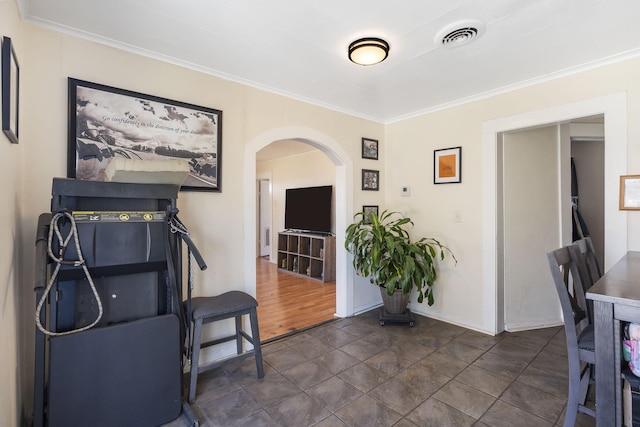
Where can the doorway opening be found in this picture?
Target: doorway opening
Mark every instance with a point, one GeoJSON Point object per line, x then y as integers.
{"type": "Point", "coordinates": [264, 216]}
{"type": "Point", "coordinates": [545, 172]}
{"type": "Point", "coordinates": [343, 206]}
{"type": "Point", "coordinates": [290, 301]}
{"type": "Point", "coordinates": [614, 110]}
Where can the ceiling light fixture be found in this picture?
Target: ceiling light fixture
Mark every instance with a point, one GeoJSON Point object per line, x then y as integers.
{"type": "Point", "coordinates": [368, 51]}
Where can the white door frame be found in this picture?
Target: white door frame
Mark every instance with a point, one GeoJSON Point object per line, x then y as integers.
{"type": "Point", "coordinates": [263, 214]}
{"type": "Point", "coordinates": [614, 108]}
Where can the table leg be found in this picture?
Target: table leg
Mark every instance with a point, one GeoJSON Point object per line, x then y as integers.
{"type": "Point", "coordinates": [605, 365]}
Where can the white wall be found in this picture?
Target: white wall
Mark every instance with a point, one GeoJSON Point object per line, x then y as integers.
{"type": "Point", "coordinates": [531, 226]}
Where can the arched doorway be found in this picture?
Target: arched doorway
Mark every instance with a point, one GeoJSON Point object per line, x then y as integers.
{"type": "Point", "coordinates": [344, 204]}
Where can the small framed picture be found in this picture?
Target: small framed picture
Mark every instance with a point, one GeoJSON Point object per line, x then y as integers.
{"type": "Point", "coordinates": [370, 180]}
{"type": "Point", "coordinates": [630, 192]}
{"type": "Point", "coordinates": [369, 149]}
{"type": "Point", "coordinates": [368, 211]}
{"type": "Point", "coordinates": [446, 165]}
{"type": "Point", "coordinates": [10, 90]}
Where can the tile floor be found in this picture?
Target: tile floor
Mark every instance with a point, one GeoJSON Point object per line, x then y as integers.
{"type": "Point", "coordinates": [354, 372]}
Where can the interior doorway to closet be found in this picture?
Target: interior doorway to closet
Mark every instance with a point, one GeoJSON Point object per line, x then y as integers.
{"type": "Point", "coordinates": [614, 109]}
{"type": "Point", "coordinates": [546, 170]}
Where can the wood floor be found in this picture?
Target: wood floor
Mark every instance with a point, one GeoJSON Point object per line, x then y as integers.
{"type": "Point", "coordinates": [288, 303]}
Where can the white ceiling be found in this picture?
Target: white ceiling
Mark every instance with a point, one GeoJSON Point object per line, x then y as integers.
{"type": "Point", "coordinates": [298, 48]}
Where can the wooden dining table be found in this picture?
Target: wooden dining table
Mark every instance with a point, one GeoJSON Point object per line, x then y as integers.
{"type": "Point", "coordinates": [616, 299]}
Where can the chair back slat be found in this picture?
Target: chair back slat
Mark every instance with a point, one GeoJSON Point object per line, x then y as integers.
{"type": "Point", "coordinates": [568, 283]}
{"type": "Point", "coordinates": [588, 265]}
{"type": "Point", "coordinates": [584, 255]}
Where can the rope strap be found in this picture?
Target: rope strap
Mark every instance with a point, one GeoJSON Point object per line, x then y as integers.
{"type": "Point", "coordinates": [59, 259]}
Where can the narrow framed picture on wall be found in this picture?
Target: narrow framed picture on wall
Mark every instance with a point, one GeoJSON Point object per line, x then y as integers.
{"type": "Point", "coordinates": [10, 90]}
{"type": "Point", "coordinates": [447, 165]}
{"type": "Point", "coordinates": [370, 180]}
{"type": "Point", "coordinates": [369, 149]}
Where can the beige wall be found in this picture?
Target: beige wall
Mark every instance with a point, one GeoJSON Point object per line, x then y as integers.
{"type": "Point", "coordinates": [11, 284]}
{"type": "Point", "coordinates": [406, 158]}
{"type": "Point", "coordinates": [409, 161]}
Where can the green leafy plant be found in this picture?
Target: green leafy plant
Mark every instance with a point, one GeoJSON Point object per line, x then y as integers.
{"type": "Point", "coordinates": [383, 251]}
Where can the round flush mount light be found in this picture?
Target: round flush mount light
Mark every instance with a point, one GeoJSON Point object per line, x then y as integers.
{"type": "Point", "coordinates": [459, 33]}
{"type": "Point", "coordinates": [368, 51]}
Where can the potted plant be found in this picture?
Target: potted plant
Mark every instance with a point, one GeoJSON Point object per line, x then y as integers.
{"type": "Point", "coordinates": [383, 251]}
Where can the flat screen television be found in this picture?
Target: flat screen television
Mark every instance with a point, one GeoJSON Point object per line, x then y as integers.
{"type": "Point", "coordinates": [308, 209]}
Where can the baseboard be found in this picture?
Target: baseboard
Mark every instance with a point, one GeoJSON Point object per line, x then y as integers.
{"type": "Point", "coordinates": [517, 327]}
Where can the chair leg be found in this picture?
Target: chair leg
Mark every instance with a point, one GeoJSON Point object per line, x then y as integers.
{"type": "Point", "coordinates": [195, 358]}
{"type": "Point", "coordinates": [574, 398]}
{"type": "Point", "coordinates": [238, 335]}
{"type": "Point", "coordinates": [572, 410]}
{"type": "Point", "coordinates": [255, 335]}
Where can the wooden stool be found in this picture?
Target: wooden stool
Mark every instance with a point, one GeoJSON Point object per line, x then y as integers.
{"type": "Point", "coordinates": [211, 309]}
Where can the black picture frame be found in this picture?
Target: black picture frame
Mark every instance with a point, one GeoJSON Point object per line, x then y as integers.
{"type": "Point", "coordinates": [105, 122]}
{"type": "Point", "coordinates": [370, 180]}
{"type": "Point", "coordinates": [447, 165]}
{"type": "Point", "coordinates": [368, 210]}
{"type": "Point", "coordinates": [10, 90]}
{"type": "Point", "coordinates": [369, 148]}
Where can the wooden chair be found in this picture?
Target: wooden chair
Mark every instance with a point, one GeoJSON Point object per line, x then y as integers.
{"type": "Point", "coordinates": [578, 330]}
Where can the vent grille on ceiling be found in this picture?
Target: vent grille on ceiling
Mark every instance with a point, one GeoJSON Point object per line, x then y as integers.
{"type": "Point", "coordinates": [460, 33]}
{"type": "Point", "coordinates": [460, 36]}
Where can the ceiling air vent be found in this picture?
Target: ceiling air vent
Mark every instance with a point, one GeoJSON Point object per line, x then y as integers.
{"type": "Point", "coordinates": [459, 33]}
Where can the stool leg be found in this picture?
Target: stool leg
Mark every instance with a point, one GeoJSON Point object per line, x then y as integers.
{"type": "Point", "coordinates": [239, 346]}
{"type": "Point", "coordinates": [195, 358]}
{"type": "Point", "coordinates": [255, 335]}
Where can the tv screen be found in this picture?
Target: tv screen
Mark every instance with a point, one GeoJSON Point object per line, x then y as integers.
{"type": "Point", "coordinates": [308, 209]}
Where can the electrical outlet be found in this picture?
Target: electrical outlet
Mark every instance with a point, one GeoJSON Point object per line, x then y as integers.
{"type": "Point", "coordinates": [405, 191]}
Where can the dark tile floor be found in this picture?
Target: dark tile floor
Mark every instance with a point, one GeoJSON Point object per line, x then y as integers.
{"type": "Point", "coordinates": [354, 372]}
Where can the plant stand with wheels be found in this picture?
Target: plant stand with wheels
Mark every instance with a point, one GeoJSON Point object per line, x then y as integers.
{"type": "Point", "coordinates": [405, 317]}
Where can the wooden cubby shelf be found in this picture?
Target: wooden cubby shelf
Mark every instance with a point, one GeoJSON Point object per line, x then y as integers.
{"type": "Point", "coordinates": [311, 255]}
